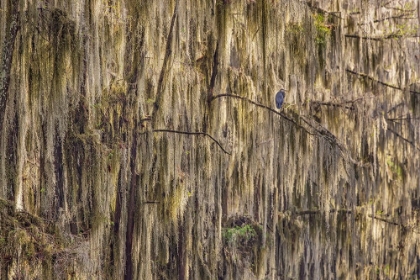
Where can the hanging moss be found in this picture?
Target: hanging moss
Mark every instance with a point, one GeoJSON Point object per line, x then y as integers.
{"type": "Point", "coordinates": [92, 81]}
{"type": "Point", "coordinates": [296, 37]}
{"type": "Point", "coordinates": [37, 241]}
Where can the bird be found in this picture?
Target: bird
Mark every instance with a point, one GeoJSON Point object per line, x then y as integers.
{"type": "Point", "coordinates": [280, 98]}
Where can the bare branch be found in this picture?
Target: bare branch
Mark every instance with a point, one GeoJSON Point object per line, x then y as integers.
{"type": "Point", "coordinates": [402, 119]}
{"type": "Point", "coordinates": [193, 133]}
{"type": "Point", "coordinates": [389, 36]}
{"type": "Point", "coordinates": [313, 212]}
{"type": "Point", "coordinates": [333, 104]}
{"type": "Point", "coordinates": [405, 139]}
{"type": "Point", "coordinates": [347, 211]}
{"type": "Point", "coordinates": [379, 82]}
{"type": "Point", "coordinates": [401, 16]}
{"type": "Point", "coordinates": [384, 220]}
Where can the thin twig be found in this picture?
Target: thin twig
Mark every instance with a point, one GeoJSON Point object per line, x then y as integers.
{"type": "Point", "coordinates": [395, 17]}
{"type": "Point", "coordinates": [332, 104]}
{"type": "Point", "coordinates": [193, 133]}
{"type": "Point", "coordinates": [384, 220]}
{"type": "Point", "coordinates": [389, 36]}
{"type": "Point", "coordinates": [403, 138]}
{"type": "Point", "coordinates": [312, 212]}
{"type": "Point", "coordinates": [402, 119]}
{"type": "Point", "coordinates": [378, 81]}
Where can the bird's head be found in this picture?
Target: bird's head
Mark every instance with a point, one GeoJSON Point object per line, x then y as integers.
{"type": "Point", "coordinates": [283, 91]}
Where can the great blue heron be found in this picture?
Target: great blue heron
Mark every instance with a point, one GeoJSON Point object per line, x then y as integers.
{"type": "Point", "coordinates": [280, 98]}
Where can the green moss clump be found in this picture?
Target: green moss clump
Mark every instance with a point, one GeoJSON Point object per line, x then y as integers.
{"type": "Point", "coordinates": [295, 29]}
{"type": "Point", "coordinates": [239, 234]}
{"type": "Point", "coordinates": [395, 168]}
{"type": "Point", "coordinates": [323, 30]}
{"type": "Point", "coordinates": [404, 30]}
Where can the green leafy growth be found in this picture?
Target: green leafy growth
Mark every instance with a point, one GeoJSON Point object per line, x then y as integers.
{"type": "Point", "coordinates": [396, 168]}
{"type": "Point", "coordinates": [239, 234]}
{"type": "Point", "coordinates": [294, 28]}
{"type": "Point", "coordinates": [404, 30]}
{"type": "Point", "coordinates": [323, 30]}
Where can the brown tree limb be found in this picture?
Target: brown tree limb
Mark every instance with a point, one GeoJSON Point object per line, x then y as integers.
{"type": "Point", "coordinates": [333, 104]}
{"type": "Point", "coordinates": [313, 212]}
{"type": "Point", "coordinates": [193, 133]}
{"type": "Point", "coordinates": [402, 119]}
{"type": "Point", "coordinates": [404, 139]}
{"type": "Point", "coordinates": [384, 220]}
{"type": "Point", "coordinates": [389, 36]}
{"type": "Point", "coordinates": [7, 59]}
{"type": "Point", "coordinates": [401, 16]}
{"type": "Point", "coordinates": [378, 81]}
{"type": "Point", "coordinates": [151, 202]}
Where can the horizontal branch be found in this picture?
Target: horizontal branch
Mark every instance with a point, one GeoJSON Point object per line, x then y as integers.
{"type": "Point", "coordinates": [385, 220]}
{"type": "Point", "coordinates": [389, 36]}
{"type": "Point", "coordinates": [402, 119]}
{"type": "Point", "coordinates": [333, 104]}
{"type": "Point", "coordinates": [346, 211]}
{"type": "Point", "coordinates": [193, 133]}
{"type": "Point", "coordinates": [401, 16]}
{"type": "Point", "coordinates": [363, 37]}
{"type": "Point", "coordinates": [313, 212]}
{"type": "Point", "coordinates": [151, 202]}
{"type": "Point", "coordinates": [403, 10]}
{"type": "Point", "coordinates": [336, 104]}
{"type": "Point", "coordinates": [353, 101]}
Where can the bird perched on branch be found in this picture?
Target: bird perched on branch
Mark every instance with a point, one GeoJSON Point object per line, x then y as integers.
{"type": "Point", "coordinates": [280, 98]}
